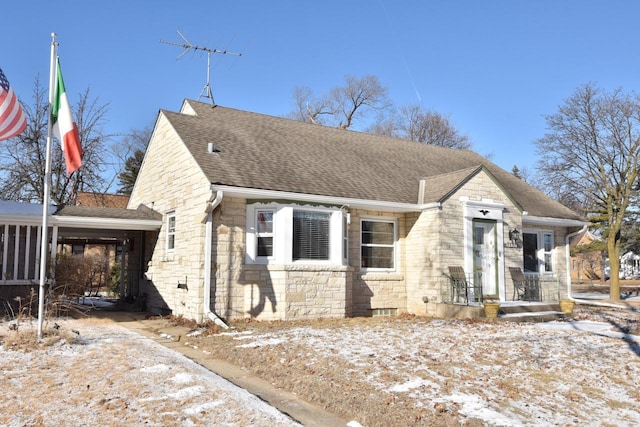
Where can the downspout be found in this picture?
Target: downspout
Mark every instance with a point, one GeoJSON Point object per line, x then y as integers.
{"type": "Point", "coordinates": [208, 250]}
{"type": "Point", "coordinates": [569, 296]}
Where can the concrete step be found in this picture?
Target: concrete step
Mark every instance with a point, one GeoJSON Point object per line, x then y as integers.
{"type": "Point", "coordinates": [530, 312]}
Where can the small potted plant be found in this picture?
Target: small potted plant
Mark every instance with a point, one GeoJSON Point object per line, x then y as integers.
{"type": "Point", "coordinates": [491, 306]}
{"type": "Point", "coordinates": [566, 305]}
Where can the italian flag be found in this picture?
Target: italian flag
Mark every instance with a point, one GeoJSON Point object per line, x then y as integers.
{"type": "Point", "coordinates": [64, 128]}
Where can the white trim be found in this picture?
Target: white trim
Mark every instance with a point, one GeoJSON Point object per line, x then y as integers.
{"type": "Point", "coordinates": [283, 234]}
{"type": "Point", "coordinates": [540, 232]}
{"type": "Point", "coordinates": [168, 215]}
{"type": "Point", "coordinates": [104, 223]}
{"type": "Point", "coordinates": [552, 222]}
{"type": "Point", "coordinates": [384, 219]}
{"type": "Point", "coordinates": [472, 211]}
{"type": "Point", "coordinates": [376, 205]}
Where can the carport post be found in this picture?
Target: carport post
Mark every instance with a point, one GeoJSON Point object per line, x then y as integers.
{"type": "Point", "coordinates": [122, 267]}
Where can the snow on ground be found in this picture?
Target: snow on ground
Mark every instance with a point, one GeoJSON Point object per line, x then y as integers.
{"type": "Point", "coordinates": [504, 374]}
{"type": "Point", "coordinates": [117, 377]}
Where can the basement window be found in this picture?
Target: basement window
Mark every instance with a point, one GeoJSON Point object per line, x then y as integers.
{"type": "Point", "coordinates": [384, 312]}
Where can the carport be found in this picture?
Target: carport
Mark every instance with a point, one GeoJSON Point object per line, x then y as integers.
{"type": "Point", "coordinates": [134, 231]}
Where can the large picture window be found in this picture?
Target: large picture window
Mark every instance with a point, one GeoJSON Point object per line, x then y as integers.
{"type": "Point", "coordinates": [377, 249]}
{"type": "Point", "coordinates": [310, 235]}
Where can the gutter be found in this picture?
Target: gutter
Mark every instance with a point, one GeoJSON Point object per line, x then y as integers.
{"type": "Point", "coordinates": [211, 206]}
{"type": "Point", "coordinates": [569, 296]}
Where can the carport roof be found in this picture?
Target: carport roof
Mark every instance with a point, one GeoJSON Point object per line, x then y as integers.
{"type": "Point", "coordinates": [142, 218]}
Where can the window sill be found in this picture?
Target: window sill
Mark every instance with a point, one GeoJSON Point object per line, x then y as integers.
{"type": "Point", "coordinates": [381, 276]}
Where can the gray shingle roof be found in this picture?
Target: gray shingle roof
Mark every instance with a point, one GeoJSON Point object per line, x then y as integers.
{"type": "Point", "coordinates": [273, 153]}
{"type": "Point", "coordinates": [141, 213]}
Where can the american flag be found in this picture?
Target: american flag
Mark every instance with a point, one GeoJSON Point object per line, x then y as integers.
{"type": "Point", "coordinates": [12, 118]}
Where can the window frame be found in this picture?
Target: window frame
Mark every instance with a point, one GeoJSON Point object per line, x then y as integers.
{"type": "Point", "coordinates": [265, 234]}
{"type": "Point", "coordinates": [283, 234]}
{"type": "Point", "coordinates": [393, 246]}
{"type": "Point", "coordinates": [170, 234]}
{"type": "Point", "coordinates": [545, 257]}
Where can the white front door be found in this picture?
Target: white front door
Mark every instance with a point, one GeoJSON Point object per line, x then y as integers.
{"type": "Point", "coordinates": [485, 257]}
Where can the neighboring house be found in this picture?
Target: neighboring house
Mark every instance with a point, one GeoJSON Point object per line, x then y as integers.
{"type": "Point", "coordinates": [271, 218]}
{"type": "Point", "coordinates": [630, 266]}
{"type": "Point", "coordinates": [101, 200]}
{"type": "Point", "coordinates": [586, 264]}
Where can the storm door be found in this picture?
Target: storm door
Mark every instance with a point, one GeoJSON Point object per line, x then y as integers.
{"type": "Point", "coordinates": [485, 257]}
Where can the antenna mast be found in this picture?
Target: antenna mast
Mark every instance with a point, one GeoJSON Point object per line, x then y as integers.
{"type": "Point", "coordinates": [188, 46]}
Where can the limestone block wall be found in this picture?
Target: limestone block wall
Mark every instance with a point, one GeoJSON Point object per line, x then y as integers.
{"type": "Point", "coordinates": [279, 292]}
{"type": "Point", "coordinates": [171, 181]}
{"type": "Point", "coordinates": [422, 251]}
{"type": "Point", "coordinates": [228, 258]}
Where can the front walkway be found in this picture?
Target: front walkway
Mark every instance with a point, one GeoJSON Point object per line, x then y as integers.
{"type": "Point", "coordinates": [172, 337]}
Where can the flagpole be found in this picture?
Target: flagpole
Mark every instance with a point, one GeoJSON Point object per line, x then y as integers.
{"type": "Point", "coordinates": [47, 192]}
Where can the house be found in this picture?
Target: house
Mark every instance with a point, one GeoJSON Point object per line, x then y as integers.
{"type": "Point", "coordinates": [587, 263]}
{"type": "Point", "coordinates": [104, 200]}
{"type": "Point", "coordinates": [270, 218]}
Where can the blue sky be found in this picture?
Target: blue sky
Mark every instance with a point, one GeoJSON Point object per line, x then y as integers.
{"type": "Point", "coordinates": [494, 67]}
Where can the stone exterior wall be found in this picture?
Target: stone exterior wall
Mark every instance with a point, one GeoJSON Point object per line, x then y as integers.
{"type": "Point", "coordinates": [170, 180]}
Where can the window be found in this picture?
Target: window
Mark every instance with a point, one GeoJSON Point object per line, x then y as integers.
{"type": "Point", "coordinates": [77, 249]}
{"type": "Point", "coordinates": [547, 247]}
{"type": "Point", "coordinates": [538, 251]}
{"type": "Point", "coordinates": [171, 231]}
{"type": "Point", "coordinates": [310, 235]}
{"type": "Point", "coordinates": [345, 238]}
{"type": "Point", "coordinates": [284, 234]}
{"type": "Point", "coordinates": [378, 244]}
{"type": "Point", "coordinates": [118, 252]}
{"type": "Point", "coordinates": [264, 233]}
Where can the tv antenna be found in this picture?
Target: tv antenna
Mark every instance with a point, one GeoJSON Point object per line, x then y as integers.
{"type": "Point", "coordinates": [188, 46]}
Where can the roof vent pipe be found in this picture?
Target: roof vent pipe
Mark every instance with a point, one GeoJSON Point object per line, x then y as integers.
{"type": "Point", "coordinates": [211, 149]}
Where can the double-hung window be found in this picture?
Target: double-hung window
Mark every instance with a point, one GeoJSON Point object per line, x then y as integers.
{"type": "Point", "coordinates": [171, 231]}
{"type": "Point", "coordinates": [377, 246]}
{"type": "Point", "coordinates": [264, 233]}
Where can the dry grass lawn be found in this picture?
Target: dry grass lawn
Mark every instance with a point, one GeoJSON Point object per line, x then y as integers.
{"type": "Point", "coordinates": [406, 371]}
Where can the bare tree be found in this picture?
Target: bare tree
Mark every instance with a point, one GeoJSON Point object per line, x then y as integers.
{"type": "Point", "coordinates": [414, 123]}
{"type": "Point", "coordinates": [23, 158]}
{"type": "Point", "coordinates": [344, 105]}
{"type": "Point", "coordinates": [431, 127]}
{"type": "Point", "coordinates": [309, 109]}
{"type": "Point", "coordinates": [592, 152]}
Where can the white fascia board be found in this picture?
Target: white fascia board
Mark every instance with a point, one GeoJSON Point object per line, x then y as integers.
{"type": "Point", "coordinates": [552, 222]}
{"type": "Point", "coordinates": [105, 223]}
{"type": "Point", "coordinates": [254, 193]}
{"type": "Point", "coordinates": [21, 219]}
